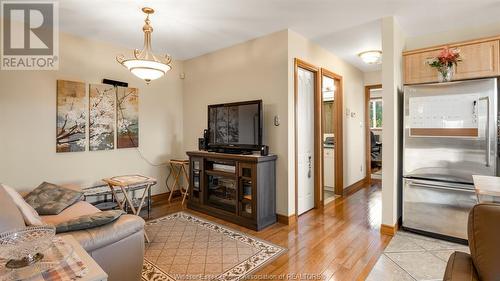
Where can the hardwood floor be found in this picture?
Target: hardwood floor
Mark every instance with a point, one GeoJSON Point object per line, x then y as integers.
{"type": "Point", "coordinates": [341, 241]}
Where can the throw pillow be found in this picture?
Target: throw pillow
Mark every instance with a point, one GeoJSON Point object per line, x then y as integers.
{"type": "Point", "coordinates": [51, 199]}
{"type": "Point", "coordinates": [30, 216]}
{"type": "Point", "coordinates": [89, 221]}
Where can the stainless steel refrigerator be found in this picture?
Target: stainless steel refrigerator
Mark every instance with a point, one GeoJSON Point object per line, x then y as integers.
{"type": "Point", "coordinates": [450, 134]}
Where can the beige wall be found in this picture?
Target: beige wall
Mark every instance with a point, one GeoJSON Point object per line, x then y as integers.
{"type": "Point", "coordinates": [354, 97]}
{"type": "Point", "coordinates": [256, 69]}
{"type": "Point", "coordinates": [28, 121]}
{"type": "Point", "coordinates": [173, 112]}
{"type": "Point", "coordinates": [373, 77]}
{"type": "Point", "coordinates": [452, 36]}
{"type": "Point", "coordinates": [393, 43]}
{"type": "Point", "coordinates": [263, 69]}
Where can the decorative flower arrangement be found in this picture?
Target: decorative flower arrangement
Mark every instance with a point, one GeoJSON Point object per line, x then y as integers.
{"type": "Point", "coordinates": [444, 63]}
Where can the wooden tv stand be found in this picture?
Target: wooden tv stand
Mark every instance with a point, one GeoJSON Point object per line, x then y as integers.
{"type": "Point", "coordinates": [237, 188]}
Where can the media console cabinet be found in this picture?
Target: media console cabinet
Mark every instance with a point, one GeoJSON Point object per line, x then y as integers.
{"type": "Point", "coordinates": [238, 188]}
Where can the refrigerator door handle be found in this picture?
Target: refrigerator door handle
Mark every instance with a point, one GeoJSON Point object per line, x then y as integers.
{"type": "Point", "coordinates": [488, 144]}
{"type": "Point", "coordinates": [415, 183]}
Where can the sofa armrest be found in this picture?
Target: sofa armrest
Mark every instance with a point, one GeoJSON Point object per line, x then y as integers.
{"type": "Point", "coordinates": [460, 268]}
{"type": "Point", "coordinates": [99, 237]}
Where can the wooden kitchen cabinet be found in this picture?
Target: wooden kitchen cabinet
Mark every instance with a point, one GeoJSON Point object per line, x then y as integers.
{"type": "Point", "coordinates": [329, 167]}
{"type": "Point", "coordinates": [416, 69]}
{"type": "Point", "coordinates": [480, 59]}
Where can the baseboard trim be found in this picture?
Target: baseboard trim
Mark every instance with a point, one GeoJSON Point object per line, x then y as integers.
{"type": "Point", "coordinates": [388, 229]}
{"type": "Point", "coordinates": [288, 220]}
{"type": "Point", "coordinates": [355, 186]}
{"type": "Point", "coordinates": [164, 196]}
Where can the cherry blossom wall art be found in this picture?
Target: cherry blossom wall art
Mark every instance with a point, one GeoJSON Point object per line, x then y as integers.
{"type": "Point", "coordinates": [101, 117]}
{"type": "Point", "coordinates": [71, 116]}
{"type": "Point", "coordinates": [127, 113]}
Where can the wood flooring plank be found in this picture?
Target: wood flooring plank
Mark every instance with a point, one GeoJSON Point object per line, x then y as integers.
{"type": "Point", "coordinates": [340, 241]}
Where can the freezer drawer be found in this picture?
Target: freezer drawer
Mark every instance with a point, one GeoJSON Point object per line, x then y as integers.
{"type": "Point", "coordinates": [437, 207]}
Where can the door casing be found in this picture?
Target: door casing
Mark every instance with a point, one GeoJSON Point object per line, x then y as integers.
{"type": "Point", "coordinates": [338, 129]}
{"type": "Point", "coordinates": [368, 177]}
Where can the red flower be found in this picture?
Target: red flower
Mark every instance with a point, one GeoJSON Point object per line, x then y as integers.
{"type": "Point", "coordinates": [449, 56]}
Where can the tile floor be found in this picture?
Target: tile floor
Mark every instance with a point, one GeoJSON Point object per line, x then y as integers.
{"type": "Point", "coordinates": [377, 174]}
{"type": "Point", "coordinates": [410, 257]}
{"type": "Point", "coordinates": [329, 195]}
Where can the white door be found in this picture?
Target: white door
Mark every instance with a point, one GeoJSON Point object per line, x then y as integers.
{"type": "Point", "coordinates": [305, 140]}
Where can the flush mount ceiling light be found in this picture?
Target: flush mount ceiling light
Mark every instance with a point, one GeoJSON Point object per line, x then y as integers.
{"type": "Point", "coordinates": [144, 64]}
{"type": "Point", "coordinates": [371, 57]}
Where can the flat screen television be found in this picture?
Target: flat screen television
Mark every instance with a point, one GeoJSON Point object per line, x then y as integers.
{"type": "Point", "coordinates": [235, 126]}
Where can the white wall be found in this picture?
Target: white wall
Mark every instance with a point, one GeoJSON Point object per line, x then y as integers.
{"type": "Point", "coordinates": [28, 120]}
{"type": "Point", "coordinates": [452, 36]}
{"type": "Point", "coordinates": [256, 69]}
{"type": "Point", "coordinates": [373, 78]}
{"type": "Point", "coordinates": [393, 43]}
{"type": "Point", "coordinates": [354, 98]}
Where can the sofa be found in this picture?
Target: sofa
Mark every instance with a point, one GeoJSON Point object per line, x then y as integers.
{"type": "Point", "coordinates": [482, 264]}
{"type": "Point", "coordinates": [118, 247]}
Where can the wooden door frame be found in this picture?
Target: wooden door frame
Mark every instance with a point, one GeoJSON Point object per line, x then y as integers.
{"type": "Point", "coordinates": [338, 129]}
{"type": "Point", "coordinates": [318, 181]}
{"type": "Point", "coordinates": [368, 88]}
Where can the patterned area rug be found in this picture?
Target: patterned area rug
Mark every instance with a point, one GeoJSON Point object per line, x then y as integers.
{"type": "Point", "coordinates": [185, 247]}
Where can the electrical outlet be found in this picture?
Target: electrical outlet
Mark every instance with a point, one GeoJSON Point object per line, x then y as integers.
{"type": "Point", "coordinates": [361, 168]}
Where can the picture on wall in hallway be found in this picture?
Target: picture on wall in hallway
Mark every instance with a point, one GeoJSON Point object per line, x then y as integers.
{"type": "Point", "coordinates": [127, 112]}
{"type": "Point", "coordinates": [101, 117]}
{"type": "Point", "coordinates": [71, 117]}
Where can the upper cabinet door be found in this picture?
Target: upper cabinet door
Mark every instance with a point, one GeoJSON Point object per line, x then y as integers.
{"type": "Point", "coordinates": [478, 60]}
{"type": "Point", "coordinates": [417, 70]}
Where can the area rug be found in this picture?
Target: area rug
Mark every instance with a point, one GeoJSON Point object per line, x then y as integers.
{"type": "Point", "coordinates": [186, 247]}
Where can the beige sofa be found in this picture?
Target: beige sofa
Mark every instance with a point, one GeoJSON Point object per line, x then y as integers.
{"type": "Point", "coordinates": [117, 247]}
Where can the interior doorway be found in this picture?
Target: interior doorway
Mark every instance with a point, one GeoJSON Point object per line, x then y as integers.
{"type": "Point", "coordinates": [307, 123]}
{"type": "Point", "coordinates": [331, 135]}
{"type": "Point", "coordinates": [374, 131]}
{"type": "Point", "coordinates": [310, 137]}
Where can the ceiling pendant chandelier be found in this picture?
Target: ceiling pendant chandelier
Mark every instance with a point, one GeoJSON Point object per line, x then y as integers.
{"type": "Point", "coordinates": [144, 64]}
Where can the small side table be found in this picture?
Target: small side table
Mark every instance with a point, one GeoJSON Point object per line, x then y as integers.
{"type": "Point", "coordinates": [487, 186]}
{"type": "Point", "coordinates": [124, 183]}
{"type": "Point", "coordinates": [95, 272]}
{"type": "Point", "coordinates": [104, 191]}
{"type": "Point", "coordinates": [178, 167]}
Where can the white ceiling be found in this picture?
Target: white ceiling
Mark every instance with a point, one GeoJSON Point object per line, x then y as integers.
{"type": "Point", "coordinates": [189, 28]}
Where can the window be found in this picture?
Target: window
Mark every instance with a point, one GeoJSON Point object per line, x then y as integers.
{"type": "Point", "coordinates": [376, 113]}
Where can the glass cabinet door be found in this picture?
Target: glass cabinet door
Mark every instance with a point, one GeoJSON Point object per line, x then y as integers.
{"type": "Point", "coordinates": [196, 174]}
{"type": "Point", "coordinates": [222, 192]}
{"type": "Point", "coordinates": [247, 196]}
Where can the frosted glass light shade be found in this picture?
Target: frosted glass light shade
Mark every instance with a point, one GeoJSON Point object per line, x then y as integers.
{"type": "Point", "coordinates": [146, 69]}
{"type": "Point", "coordinates": [371, 57]}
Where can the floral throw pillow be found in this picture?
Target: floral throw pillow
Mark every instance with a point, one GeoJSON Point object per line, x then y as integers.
{"type": "Point", "coordinates": [51, 199]}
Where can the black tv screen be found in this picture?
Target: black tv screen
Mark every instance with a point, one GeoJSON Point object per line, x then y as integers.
{"type": "Point", "coordinates": [235, 125]}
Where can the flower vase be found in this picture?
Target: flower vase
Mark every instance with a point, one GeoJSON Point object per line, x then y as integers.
{"type": "Point", "coordinates": [445, 74]}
